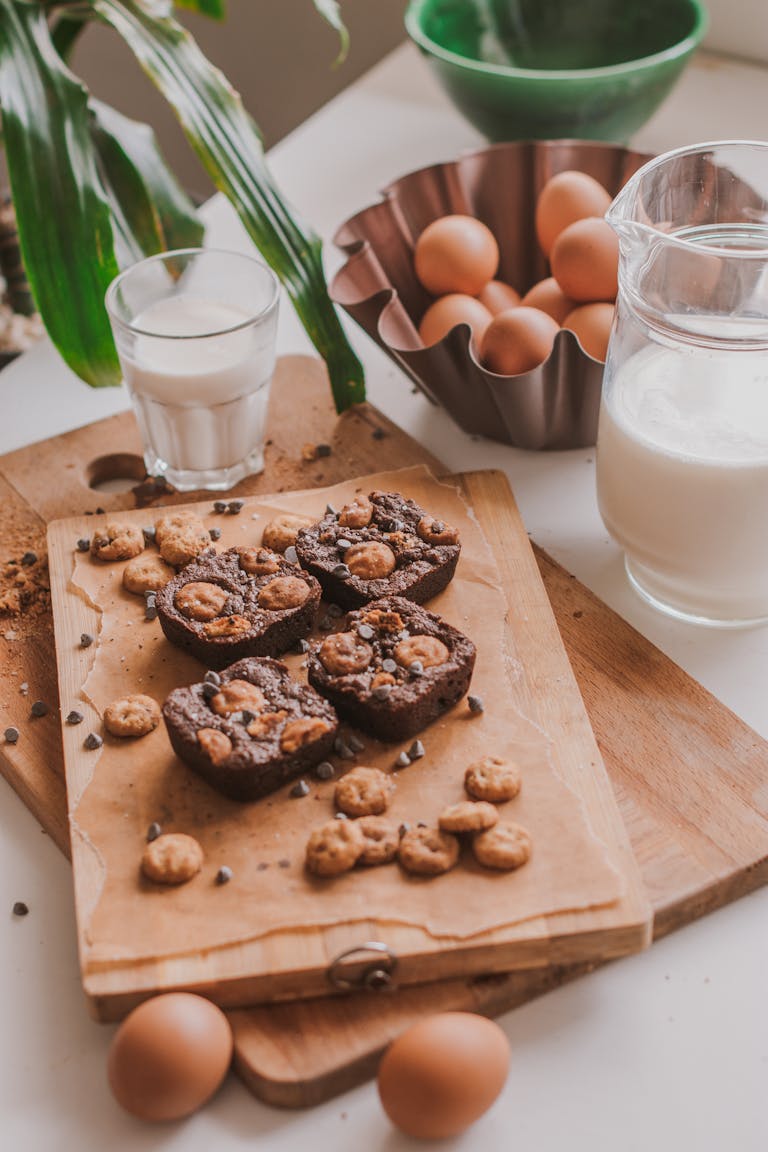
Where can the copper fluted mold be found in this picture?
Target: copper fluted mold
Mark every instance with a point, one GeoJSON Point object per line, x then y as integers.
{"type": "Point", "coordinates": [554, 406]}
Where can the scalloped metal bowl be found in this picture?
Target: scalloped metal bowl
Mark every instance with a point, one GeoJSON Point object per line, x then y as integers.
{"type": "Point", "coordinates": [554, 406]}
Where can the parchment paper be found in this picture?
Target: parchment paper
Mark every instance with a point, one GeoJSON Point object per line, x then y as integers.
{"type": "Point", "coordinates": [137, 782]}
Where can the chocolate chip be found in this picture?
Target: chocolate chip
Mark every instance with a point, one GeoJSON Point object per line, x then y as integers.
{"type": "Point", "coordinates": [365, 632]}
{"type": "Point", "coordinates": [150, 611]}
{"type": "Point", "coordinates": [416, 750]}
{"type": "Point", "coordinates": [342, 544]}
{"type": "Point", "coordinates": [342, 749]}
{"type": "Point", "coordinates": [149, 534]}
{"type": "Point", "coordinates": [83, 544]}
{"type": "Point", "coordinates": [300, 788]}
{"type": "Point", "coordinates": [20, 908]}
{"type": "Point", "coordinates": [212, 678]}
{"type": "Point", "coordinates": [355, 742]}
{"type": "Point", "coordinates": [235, 507]}
{"type": "Point", "coordinates": [247, 717]}
{"type": "Point", "coordinates": [416, 668]}
{"type": "Point", "coordinates": [378, 433]}
{"type": "Point", "coordinates": [283, 863]}
{"type": "Point", "coordinates": [11, 735]}
{"type": "Point", "coordinates": [291, 555]}
{"type": "Point", "coordinates": [389, 665]}
{"type": "Point", "coordinates": [224, 874]}
{"type": "Point", "coordinates": [323, 450]}
{"type": "Point", "coordinates": [325, 623]}
{"type": "Point", "coordinates": [341, 571]}
{"type": "Point", "coordinates": [39, 708]}
{"type": "Point", "coordinates": [301, 647]}
{"type": "Point", "coordinates": [335, 610]}
{"type": "Point", "coordinates": [437, 527]}
{"type": "Point", "coordinates": [325, 770]}
{"type": "Point", "coordinates": [92, 741]}
{"type": "Point", "coordinates": [75, 717]}
{"type": "Point", "coordinates": [86, 639]}
{"type": "Point", "coordinates": [214, 533]}
{"type": "Point", "coordinates": [153, 831]}
{"type": "Point", "coordinates": [382, 691]}
{"type": "Point", "coordinates": [28, 559]}
{"type": "Point", "coordinates": [330, 510]}
{"type": "Point", "coordinates": [209, 691]}
{"type": "Point", "coordinates": [403, 760]}
{"type": "Point", "coordinates": [475, 704]}
{"type": "Point", "coordinates": [404, 827]}
{"type": "Point", "coordinates": [150, 594]}
{"type": "Point", "coordinates": [219, 505]}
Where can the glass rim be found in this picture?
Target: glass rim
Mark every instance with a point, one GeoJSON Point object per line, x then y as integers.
{"type": "Point", "coordinates": [175, 253]}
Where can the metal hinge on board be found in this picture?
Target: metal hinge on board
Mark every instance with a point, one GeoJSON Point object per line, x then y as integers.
{"type": "Point", "coordinates": [366, 967]}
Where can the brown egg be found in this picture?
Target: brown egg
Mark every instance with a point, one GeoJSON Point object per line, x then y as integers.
{"type": "Point", "coordinates": [498, 297]}
{"type": "Point", "coordinates": [517, 341]}
{"type": "Point", "coordinates": [448, 311]}
{"type": "Point", "coordinates": [443, 1073]}
{"type": "Point", "coordinates": [585, 261]}
{"type": "Point", "coordinates": [169, 1056]}
{"type": "Point", "coordinates": [592, 323]}
{"type": "Point", "coordinates": [567, 197]}
{"type": "Point", "coordinates": [549, 297]}
{"type": "Point", "coordinates": [456, 254]}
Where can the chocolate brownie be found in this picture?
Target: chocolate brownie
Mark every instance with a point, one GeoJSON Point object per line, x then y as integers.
{"type": "Point", "coordinates": [394, 669]}
{"type": "Point", "coordinates": [243, 602]}
{"type": "Point", "coordinates": [379, 545]}
{"type": "Point", "coordinates": [251, 728]}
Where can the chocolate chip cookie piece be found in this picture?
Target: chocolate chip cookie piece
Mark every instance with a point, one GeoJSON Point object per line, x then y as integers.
{"type": "Point", "coordinates": [172, 858]}
{"type": "Point", "coordinates": [393, 669]}
{"type": "Point", "coordinates": [504, 847]}
{"type": "Point", "coordinates": [254, 731]}
{"type": "Point", "coordinates": [243, 602]}
{"type": "Point", "coordinates": [132, 716]}
{"type": "Point", "coordinates": [364, 792]}
{"type": "Point", "coordinates": [334, 848]}
{"type": "Point", "coordinates": [428, 851]}
{"type": "Point", "coordinates": [117, 541]}
{"type": "Point", "coordinates": [493, 779]}
{"type": "Point", "coordinates": [379, 545]}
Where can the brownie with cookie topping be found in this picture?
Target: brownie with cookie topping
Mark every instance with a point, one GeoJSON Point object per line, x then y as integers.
{"type": "Point", "coordinates": [393, 669]}
{"type": "Point", "coordinates": [251, 728]}
{"type": "Point", "coordinates": [379, 545]}
{"type": "Point", "coordinates": [247, 601]}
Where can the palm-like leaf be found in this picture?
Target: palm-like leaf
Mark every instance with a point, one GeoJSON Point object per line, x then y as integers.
{"type": "Point", "coordinates": [229, 145]}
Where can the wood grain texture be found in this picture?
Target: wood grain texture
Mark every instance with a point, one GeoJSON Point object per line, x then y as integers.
{"type": "Point", "coordinates": [296, 1055]}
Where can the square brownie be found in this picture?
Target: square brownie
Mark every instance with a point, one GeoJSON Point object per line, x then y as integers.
{"type": "Point", "coordinates": [379, 545]}
{"type": "Point", "coordinates": [251, 728]}
{"type": "Point", "coordinates": [394, 669]}
{"type": "Point", "coordinates": [247, 601]}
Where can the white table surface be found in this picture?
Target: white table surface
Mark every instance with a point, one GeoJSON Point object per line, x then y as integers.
{"type": "Point", "coordinates": [667, 1050]}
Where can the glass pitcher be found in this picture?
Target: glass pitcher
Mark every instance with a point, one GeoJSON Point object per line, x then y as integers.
{"type": "Point", "coordinates": [682, 445]}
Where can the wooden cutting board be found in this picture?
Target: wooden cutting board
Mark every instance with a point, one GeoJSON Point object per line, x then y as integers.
{"type": "Point", "coordinates": [688, 774]}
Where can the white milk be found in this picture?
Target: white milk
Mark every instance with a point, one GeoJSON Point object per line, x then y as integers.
{"type": "Point", "coordinates": [682, 478]}
{"type": "Point", "coordinates": [201, 403]}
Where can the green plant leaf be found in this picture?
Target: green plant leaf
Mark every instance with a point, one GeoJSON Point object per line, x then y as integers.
{"type": "Point", "coordinates": [63, 215]}
{"type": "Point", "coordinates": [150, 209]}
{"type": "Point", "coordinates": [330, 11]}
{"type": "Point", "coordinates": [228, 143]}
{"type": "Point", "coordinates": [216, 9]}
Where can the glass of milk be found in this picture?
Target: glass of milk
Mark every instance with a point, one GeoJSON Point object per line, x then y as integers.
{"type": "Point", "coordinates": [682, 446]}
{"type": "Point", "coordinates": [195, 331]}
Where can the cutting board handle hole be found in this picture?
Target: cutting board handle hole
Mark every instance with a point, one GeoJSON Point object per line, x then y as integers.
{"type": "Point", "coordinates": [117, 472]}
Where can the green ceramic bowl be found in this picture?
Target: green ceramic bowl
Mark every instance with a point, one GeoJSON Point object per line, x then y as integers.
{"type": "Point", "coordinates": [546, 69]}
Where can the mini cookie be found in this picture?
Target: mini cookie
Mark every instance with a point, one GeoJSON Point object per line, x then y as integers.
{"type": "Point", "coordinates": [492, 779]}
{"type": "Point", "coordinates": [180, 537]}
{"type": "Point", "coordinates": [379, 545]}
{"type": "Point", "coordinates": [117, 541]}
{"type": "Point", "coordinates": [428, 851]}
{"type": "Point", "coordinates": [505, 846]}
{"type": "Point", "coordinates": [135, 715]}
{"type": "Point", "coordinates": [334, 848]}
{"type": "Point", "coordinates": [172, 858]}
{"type": "Point", "coordinates": [468, 816]}
{"type": "Point", "coordinates": [364, 792]}
{"type": "Point", "coordinates": [281, 532]}
{"type": "Point", "coordinates": [381, 840]}
{"type": "Point", "coordinates": [146, 573]}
